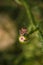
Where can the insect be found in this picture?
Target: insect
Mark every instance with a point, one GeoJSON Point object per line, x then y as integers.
{"type": "Point", "coordinates": [24, 35]}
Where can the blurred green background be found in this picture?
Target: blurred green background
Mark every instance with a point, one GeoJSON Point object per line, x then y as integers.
{"type": "Point", "coordinates": [29, 14]}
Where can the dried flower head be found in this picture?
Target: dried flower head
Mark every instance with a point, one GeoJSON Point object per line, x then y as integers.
{"type": "Point", "coordinates": [8, 32]}
{"type": "Point", "coordinates": [23, 31]}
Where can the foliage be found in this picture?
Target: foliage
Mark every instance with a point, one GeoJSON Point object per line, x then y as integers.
{"type": "Point", "coordinates": [30, 52]}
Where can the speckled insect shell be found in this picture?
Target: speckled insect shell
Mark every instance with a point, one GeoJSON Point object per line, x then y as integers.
{"type": "Point", "coordinates": [8, 32]}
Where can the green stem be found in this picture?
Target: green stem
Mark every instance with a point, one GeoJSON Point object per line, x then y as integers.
{"type": "Point", "coordinates": [27, 8]}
